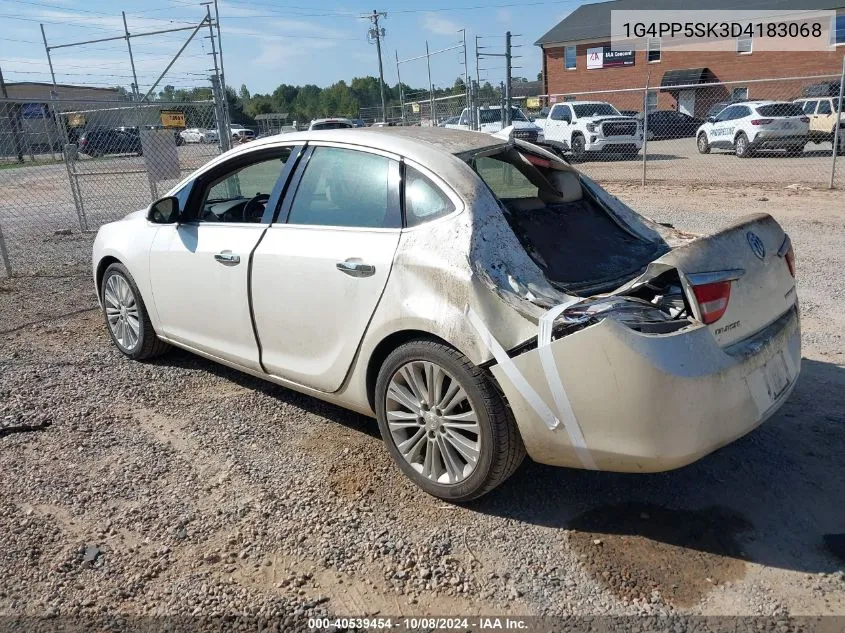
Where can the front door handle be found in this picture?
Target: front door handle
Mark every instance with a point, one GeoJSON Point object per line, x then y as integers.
{"type": "Point", "coordinates": [228, 258]}
{"type": "Point", "coordinates": [356, 268]}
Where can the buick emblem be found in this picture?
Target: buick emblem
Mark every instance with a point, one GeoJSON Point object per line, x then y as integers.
{"type": "Point", "coordinates": [756, 244]}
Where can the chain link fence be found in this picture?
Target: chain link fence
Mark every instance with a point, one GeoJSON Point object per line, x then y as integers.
{"type": "Point", "coordinates": [67, 167]}
{"type": "Point", "coordinates": [758, 131]}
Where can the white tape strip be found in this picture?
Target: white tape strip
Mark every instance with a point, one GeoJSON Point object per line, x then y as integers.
{"type": "Point", "coordinates": [511, 371]}
{"type": "Point", "coordinates": [564, 406]}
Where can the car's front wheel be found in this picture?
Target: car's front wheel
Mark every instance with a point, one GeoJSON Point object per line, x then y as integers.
{"type": "Point", "coordinates": [444, 423]}
{"type": "Point", "coordinates": [126, 315]}
{"type": "Point", "coordinates": [579, 145]}
{"type": "Point", "coordinates": [703, 145]}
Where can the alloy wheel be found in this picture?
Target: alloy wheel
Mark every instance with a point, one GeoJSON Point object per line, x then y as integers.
{"type": "Point", "coordinates": [432, 422]}
{"type": "Point", "coordinates": [122, 312]}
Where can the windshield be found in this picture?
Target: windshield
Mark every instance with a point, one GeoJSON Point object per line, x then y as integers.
{"type": "Point", "coordinates": [495, 116]}
{"type": "Point", "coordinates": [595, 109]}
{"type": "Point", "coordinates": [331, 125]}
{"type": "Point", "coordinates": [781, 109]}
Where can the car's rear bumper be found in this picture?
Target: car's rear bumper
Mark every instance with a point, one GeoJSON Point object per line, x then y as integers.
{"type": "Point", "coordinates": [648, 403]}
{"type": "Point", "coordinates": [773, 139]}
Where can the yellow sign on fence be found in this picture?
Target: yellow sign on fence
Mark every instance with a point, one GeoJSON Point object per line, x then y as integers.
{"type": "Point", "coordinates": [172, 118]}
{"type": "Point", "coordinates": [415, 108]}
{"type": "Point", "coordinates": [532, 103]}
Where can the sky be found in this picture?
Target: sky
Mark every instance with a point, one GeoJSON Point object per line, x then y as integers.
{"type": "Point", "coordinates": [267, 43]}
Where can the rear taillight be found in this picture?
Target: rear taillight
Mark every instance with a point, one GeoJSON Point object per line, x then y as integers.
{"type": "Point", "coordinates": [761, 121]}
{"type": "Point", "coordinates": [790, 260]}
{"type": "Point", "coordinates": [712, 300]}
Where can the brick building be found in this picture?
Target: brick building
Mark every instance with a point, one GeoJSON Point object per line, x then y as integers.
{"type": "Point", "coordinates": [565, 61]}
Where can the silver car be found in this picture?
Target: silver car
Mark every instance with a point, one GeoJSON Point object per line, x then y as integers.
{"type": "Point", "coordinates": [480, 297]}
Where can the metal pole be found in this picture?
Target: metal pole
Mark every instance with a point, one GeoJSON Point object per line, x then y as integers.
{"type": "Point", "coordinates": [645, 128]}
{"type": "Point", "coordinates": [474, 112]}
{"type": "Point", "coordinates": [507, 113]}
{"type": "Point", "coordinates": [836, 133]}
{"type": "Point", "coordinates": [220, 46]}
{"type": "Point", "coordinates": [5, 254]}
{"type": "Point", "coordinates": [224, 130]}
{"type": "Point", "coordinates": [463, 33]}
{"type": "Point", "coordinates": [380, 68]}
{"type": "Point", "coordinates": [430, 86]}
{"type": "Point", "coordinates": [135, 87]}
{"type": "Point", "coordinates": [218, 113]}
{"type": "Point", "coordinates": [49, 60]}
{"type": "Point", "coordinates": [120, 37]}
{"type": "Point", "coordinates": [401, 92]}
{"type": "Point", "coordinates": [173, 61]}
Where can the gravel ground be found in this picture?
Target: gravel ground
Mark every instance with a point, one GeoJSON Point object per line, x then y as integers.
{"type": "Point", "coordinates": [183, 488]}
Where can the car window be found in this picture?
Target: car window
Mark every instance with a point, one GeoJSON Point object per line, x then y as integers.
{"type": "Point", "coordinates": [424, 200]}
{"type": "Point", "coordinates": [727, 114]}
{"type": "Point", "coordinates": [716, 110]}
{"type": "Point", "coordinates": [505, 180]}
{"type": "Point", "coordinates": [241, 194]}
{"type": "Point", "coordinates": [741, 111]}
{"type": "Point", "coordinates": [561, 113]}
{"type": "Point", "coordinates": [824, 108]}
{"type": "Point", "coordinates": [780, 109]}
{"type": "Point", "coordinates": [490, 116]}
{"type": "Point", "coordinates": [810, 107]}
{"type": "Point", "coordinates": [331, 125]}
{"type": "Point", "coordinates": [344, 187]}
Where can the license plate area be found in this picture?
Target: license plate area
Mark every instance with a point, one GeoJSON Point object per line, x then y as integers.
{"type": "Point", "coordinates": [776, 376]}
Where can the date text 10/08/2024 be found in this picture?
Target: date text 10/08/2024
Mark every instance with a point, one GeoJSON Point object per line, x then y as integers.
{"type": "Point", "coordinates": [423, 623]}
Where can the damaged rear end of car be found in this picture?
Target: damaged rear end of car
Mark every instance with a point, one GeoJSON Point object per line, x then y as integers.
{"type": "Point", "coordinates": [654, 347]}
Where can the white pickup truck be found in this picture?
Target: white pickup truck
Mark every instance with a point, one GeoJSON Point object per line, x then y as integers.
{"type": "Point", "coordinates": [490, 122]}
{"type": "Point", "coordinates": [580, 127]}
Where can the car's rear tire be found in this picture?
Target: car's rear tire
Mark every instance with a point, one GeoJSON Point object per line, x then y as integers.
{"type": "Point", "coordinates": [126, 315]}
{"type": "Point", "coordinates": [742, 148]}
{"type": "Point", "coordinates": [432, 401]}
{"type": "Point", "coordinates": [579, 144]}
{"type": "Point", "coordinates": [702, 144]}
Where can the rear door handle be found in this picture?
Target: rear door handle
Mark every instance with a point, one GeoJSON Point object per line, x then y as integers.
{"type": "Point", "coordinates": [228, 258]}
{"type": "Point", "coordinates": [355, 268]}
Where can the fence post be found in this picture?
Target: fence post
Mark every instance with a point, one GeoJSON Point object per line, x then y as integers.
{"type": "Point", "coordinates": [5, 253]}
{"type": "Point", "coordinates": [836, 133]}
{"type": "Point", "coordinates": [69, 151]}
{"type": "Point", "coordinates": [645, 128]}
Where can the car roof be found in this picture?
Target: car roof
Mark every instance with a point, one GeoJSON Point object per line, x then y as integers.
{"type": "Point", "coordinates": [332, 120]}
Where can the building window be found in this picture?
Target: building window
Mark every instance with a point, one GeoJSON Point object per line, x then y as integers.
{"type": "Point", "coordinates": [651, 101]}
{"type": "Point", "coordinates": [570, 58]}
{"type": "Point", "coordinates": [744, 45]}
{"type": "Point", "coordinates": [839, 29]}
{"type": "Point", "coordinates": [739, 94]}
{"type": "Point", "coordinates": [653, 52]}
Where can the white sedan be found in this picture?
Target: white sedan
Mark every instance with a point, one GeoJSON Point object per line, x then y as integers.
{"type": "Point", "coordinates": [198, 135]}
{"type": "Point", "coordinates": [478, 296]}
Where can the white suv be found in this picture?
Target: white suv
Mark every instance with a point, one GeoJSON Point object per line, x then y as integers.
{"type": "Point", "coordinates": [822, 112]}
{"type": "Point", "coordinates": [751, 125]}
{"type": "Point", "coordinates": [591, 126]}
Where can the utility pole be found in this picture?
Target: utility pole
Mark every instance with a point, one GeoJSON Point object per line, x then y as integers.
{"type": "Point", "coordinates": [467, 98]}
{"type": "Point", "coordinates": [507, 112]}
{"type": "Point", "coordinates": [430, 86]}
{"type": "Point", "coordinates": [219, 93]}
{"type": "Point", "coordinates": [401, 92]}
{"type": "Point", "coordinates": [376, 33]}
{"type": "Point", "coordinates": [131, 59]}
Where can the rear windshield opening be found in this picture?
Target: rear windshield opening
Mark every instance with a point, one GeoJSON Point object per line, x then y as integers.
{"type": "Point", "coordinates": [561, 222]}
{"type": "Point", "coordinates": [336, 125]}
{"type": "Point", "coordinates": [781, 109]}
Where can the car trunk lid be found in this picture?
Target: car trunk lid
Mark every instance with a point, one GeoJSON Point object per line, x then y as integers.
{"type": "Point", "coordinates": [751, 257]}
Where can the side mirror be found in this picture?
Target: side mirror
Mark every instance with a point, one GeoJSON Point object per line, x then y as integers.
{"type": "Point", "coordinates": [164, 211]}
{"type": "Point", "coordinates": [711, 119]}
{"type": "Point", "coordinates": [531, 119]}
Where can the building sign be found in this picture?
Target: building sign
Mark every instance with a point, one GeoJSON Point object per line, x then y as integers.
{"type": "Point", "coordinates": [605, 57]}
{"type": "Point", "coordinates": [34, 111]}
{"type": "Point", "coordinates": [532, 103]}
{"type": "Point", "coordinates": [172, 118]}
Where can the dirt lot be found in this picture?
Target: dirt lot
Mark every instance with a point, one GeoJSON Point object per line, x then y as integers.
{"type": "Point", "coordinates": [181, 487]}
